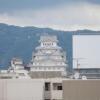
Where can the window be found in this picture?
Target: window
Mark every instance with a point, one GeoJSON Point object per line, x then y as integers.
{"type": "Point", "coordinates": [47, 86]}
{"type": "Point", "coordinates": [57, 86]}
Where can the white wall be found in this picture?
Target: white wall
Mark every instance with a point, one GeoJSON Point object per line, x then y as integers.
{"type": "Point", "coordinates": [57, 94]}
{"type": "Point", "coordinates": [87, 49]}
{"type": "Point", "coordinates": [16, 89]}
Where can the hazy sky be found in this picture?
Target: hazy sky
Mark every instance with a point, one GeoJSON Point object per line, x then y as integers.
{"type": "Point", "coordinates": [58, 14]}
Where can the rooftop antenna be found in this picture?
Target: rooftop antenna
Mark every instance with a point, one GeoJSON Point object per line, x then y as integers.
{"type": "Point", "coordinates": [77, 62]}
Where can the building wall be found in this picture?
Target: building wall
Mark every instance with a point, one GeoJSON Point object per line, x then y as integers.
{"type": "Point", "coordinates": [45, 74]}
{"type": "Point", "coordinates": [16, 89]}
{"type": "Point", "coordinates": [55, 89]}
{"type": "Point", "coordinates": [81, 89]}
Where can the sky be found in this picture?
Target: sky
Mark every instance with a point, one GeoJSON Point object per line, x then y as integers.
{"type": "Point", "coordinates": [56, 14]}
{"type": "Point", "coordinates": [86, 50]}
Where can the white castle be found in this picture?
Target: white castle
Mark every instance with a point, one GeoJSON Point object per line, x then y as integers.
{"type": "Point", "coordinates": [49, 58]}
{"type": "Point", "coordinates": [49, 61]}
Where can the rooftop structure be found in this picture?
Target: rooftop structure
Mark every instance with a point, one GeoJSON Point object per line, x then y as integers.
{"type": "Point", "coordinates": [90, 73]}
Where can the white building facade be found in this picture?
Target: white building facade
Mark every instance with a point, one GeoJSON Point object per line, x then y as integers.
{"type": "Point", "coordinates": [16, 70]}
{"type": "Point", "coordinates": [21, 89]}
{"type": "Point", "coordinates": [49, 57]}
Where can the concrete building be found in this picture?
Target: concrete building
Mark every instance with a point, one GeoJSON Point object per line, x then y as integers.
{"type": "Point", "coordinates": [86, 55]}
{"type": "Point", "coordinates": [31, 89]}
{"type": "Point", "coordinates": [53, 89]}
{"type": "Point", "coordinates": [24, 89]}
{"type": "Point", "coordinates": [90, 73]}
{"type": "Point", "coordinates": [81, 89]}
{"type": "Point", "coordinates": [49, 89]}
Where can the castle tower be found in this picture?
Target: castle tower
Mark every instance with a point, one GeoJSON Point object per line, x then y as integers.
{"type": "Point", "coordinates": [49, 60]}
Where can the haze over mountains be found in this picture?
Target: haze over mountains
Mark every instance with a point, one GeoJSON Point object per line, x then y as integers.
{"type": "Point", "coordinates": [20, 42]}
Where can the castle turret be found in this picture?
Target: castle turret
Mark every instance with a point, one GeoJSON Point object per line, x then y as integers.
{"type": "Point", "coordinates": [49, 60]}
{"type": "Point", "coordinates": [17, 64]}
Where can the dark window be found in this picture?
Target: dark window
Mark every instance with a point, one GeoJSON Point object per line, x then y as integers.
{"type": "Point", "coordinates": [47, 86]}
{"type": "Point", "coordinates": [59, 88]}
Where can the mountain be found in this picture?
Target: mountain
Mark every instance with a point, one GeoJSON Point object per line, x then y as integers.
{"type": "Point", "coordinates": [18, 41]}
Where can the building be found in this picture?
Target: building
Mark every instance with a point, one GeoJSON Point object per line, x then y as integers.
{"type": "Point", "coordinates": [53, 89]}
{"type": "Point", "coordinates": [21, 89]}
{"type": "Point", "coordinates": [16, 70]}
{"type": "Point", "coordinates": [47, 78]}
{"type": "Point", "coordinates": [31, 89]}
{"type": "Point", "coordinates": [86, 55]}
{"type": "Point", "coordinates": [81, 89]}
{"type": "Point", "coordinates": [90, 73]}
{"type": "Point", "coordinates": [17, 64]}
{"type": "Point", "coordinates": [49, 60]}
{"type": "Point", "coordinates": [49, 89]}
